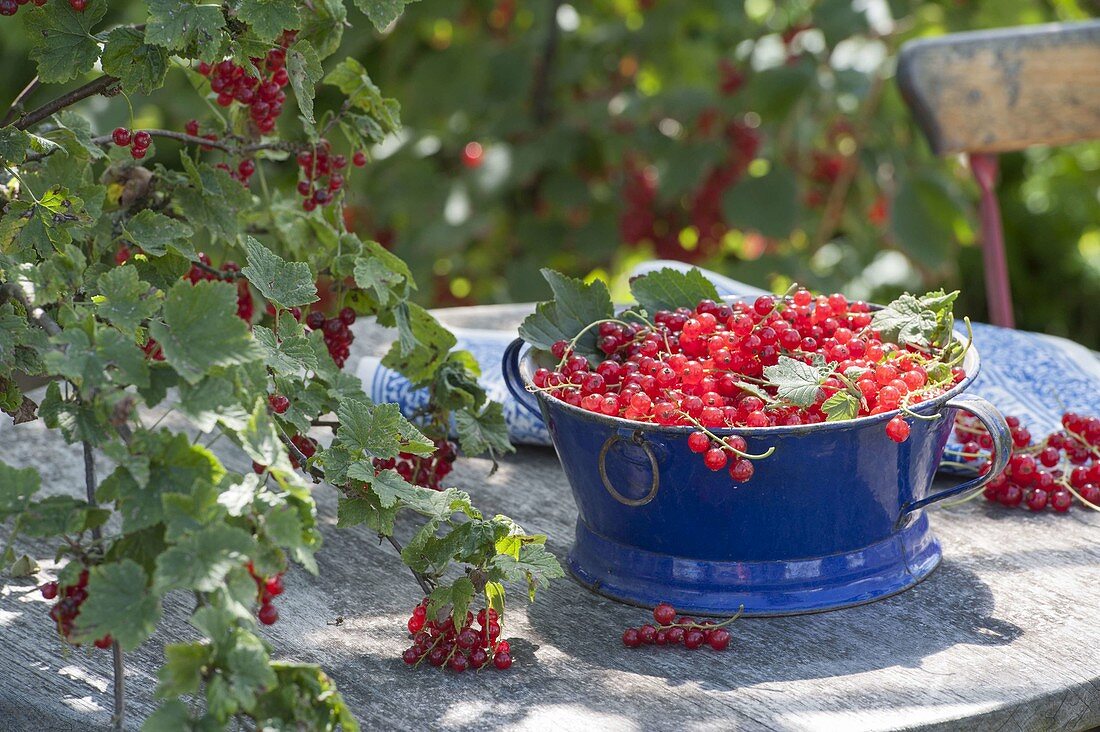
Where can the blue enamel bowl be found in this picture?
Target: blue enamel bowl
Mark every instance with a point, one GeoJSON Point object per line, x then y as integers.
{"type": "Point", "coordinates": [833, 518]}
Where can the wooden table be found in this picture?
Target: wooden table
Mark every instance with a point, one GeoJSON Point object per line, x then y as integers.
{"type": "Point", "coordinates": [1004, 635]}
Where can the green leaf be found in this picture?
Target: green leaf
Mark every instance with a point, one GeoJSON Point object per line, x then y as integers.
{"type": "Point", "coordinates": [61, 39]}
{"type": "Point", "coordinates": [379, 430]}
{"type": "Point", "coordinates": [249, 669]}
{"type": "Point", "coordinates": [210, 402]}
{"type": "Point", "coordinates": [13, 145]}
{"type": "Point", "coordinates": [352, 79]}
{"type": "Point", "coordinates": [74, 133]}
{"type": "Point", "coordinates": [365, 510]}
{"type": "Point", "coordinates": [180, 24]}
{"type": "Point", "coordinates": [292, 355]}
{"type": "Point", "coordinates": [768, 204]}
{"type": "Point", "coordinates": [268, 18]}
{"type": "Point", "coordinates": [303, 66]}
{"type": "Point", "coordinates": [120, 604]}
{"type": "Point", "coordinates": [455, 597]}
{"type": "Point", "coordinates": [387, 485]}
{"type": "Point", "coordinates": [201, 560]}
{"type": "Point", "coordinates": [382, 273]}
{"type": "Point", "coordinates": [422, 344]}
{"type": "Point", "coordinates": [260, 439]}
{"type": "Point", "coordinates": [154, 233]}
{"type": "Point", "coordinates": [171, 716]}
{"type": "Point", "coordinates": [535, 565]}
{"type": "Point", "coordinates": [840, 406]}
{"type": "Point", "coordinates": [139, 65]}
{"type": "Point", "coordinates": [483, 431]}
{"type": "Point", "coordinates": [122, 298]}
{"type": "Point", "coordinates": [182, 672]}
{"type": "Point", "coordinates": [201, 329]}
{"type": "Point", "coordinates": [797, 382]}
{"type": "Point", "coordinates": [382, 12]}
{"type": "Point", "coordinates": [922, 219]}
{"type": "Point", "coordinates": [214, 199]}
{"type": "Point", "coordinates": [286, 284]}
{"type": "Point", "coordinates": [60, 515]}
{"type": "Point", "coordinates": [17, 485]}
{"type": "Point", "coordinates": [921, 322]}
{"type": "Point", "coordinates": [668, 289]}
{"type": "Point", "coordinates": [574, 307]}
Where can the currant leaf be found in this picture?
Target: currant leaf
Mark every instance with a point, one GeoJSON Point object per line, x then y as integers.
{"type": "Point", "coordinates": [139, 65]}
{"type": "Point", "coordinates": [575, 306]}
{"type": "Point", "coordinates": [797, 382]}
{"type": "Point", "coordinates": [61, 39]}
{"type": "Point", "coordinates": [119, 604]}
{"type": "Point", "coordinates": [201, 330]}
{"type": "Point", "coordinates": [668, 289]}
{"type": "Point", "coordinates": [286, 284]}
{"type": "Point", "coordinates": [840, 406]}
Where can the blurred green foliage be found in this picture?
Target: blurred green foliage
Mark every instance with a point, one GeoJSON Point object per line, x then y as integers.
{"type": "Point", "coordinates": [764, 139]}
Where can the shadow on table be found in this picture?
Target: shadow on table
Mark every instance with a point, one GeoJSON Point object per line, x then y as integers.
{"type": "Point", "coordinates": [953, 606]}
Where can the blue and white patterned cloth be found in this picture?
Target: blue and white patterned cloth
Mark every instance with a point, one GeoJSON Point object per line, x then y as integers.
{"type": "Point", "coordinates": [1033, 376]}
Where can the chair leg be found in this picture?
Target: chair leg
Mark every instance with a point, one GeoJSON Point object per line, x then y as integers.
{"type": "Point", "coordinates": [997, 288]}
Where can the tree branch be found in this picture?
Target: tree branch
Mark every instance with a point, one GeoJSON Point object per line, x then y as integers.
{"type": "Point", "coordinates": [540, 90]}
{"type": "Point", "coordinates": [13, 291]}
{"type": "Point", "coordinates": [96, 86]}
{"type": "Point", "coordinates": [17, 105]}
{"type": "Point", "coordinates": [834, 204]}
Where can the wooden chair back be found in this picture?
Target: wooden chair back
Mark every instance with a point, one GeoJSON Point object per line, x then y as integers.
{"type": "Point", "coordinates": [988, 92]}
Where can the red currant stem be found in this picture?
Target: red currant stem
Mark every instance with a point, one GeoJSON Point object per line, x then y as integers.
{"type": "Point", "coordinates": [851, 387]}
{"type": "Point", "coordinates": [969, 342]}
{"type": "Point", "coordinates": [214, 271]}
{"type": "Point", "coordinates": [700, 626]}
{"type": "Point", "coordinates": [22, 183]}
{"type": "Point", "coordinates": [779, 300]}
{"type": "Point", "coordinates": [425, 654]}
{"type": "Point", "coordinates": [1084, 443]}
{"type": "Point", "coordinates": [903, 407]}
{"type": "Point", "coordinates": [1065, 484]}
{"type": "Point", "coordinates": [722, 443]}
{"type": "Point", "coordinates": [275, 325]}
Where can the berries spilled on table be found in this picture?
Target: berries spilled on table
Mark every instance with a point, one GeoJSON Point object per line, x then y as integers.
{"type": "Point", "coordinates": [458, 649]}
{"type": "Point", "coordinates": [1053, 473]}
{"type": "Point", "coordinates": [672, 630]}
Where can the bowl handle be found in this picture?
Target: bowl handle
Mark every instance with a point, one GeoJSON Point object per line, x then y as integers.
{"type": "Point", "coordinates": [998, 429]}
{"type": "Point", "coordinates": [638, 438]}
{"type": "Point", "coordinates": [514, 380]}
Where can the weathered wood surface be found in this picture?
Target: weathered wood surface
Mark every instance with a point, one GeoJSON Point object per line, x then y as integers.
{"type": "Point", "coordinates": [995, 91]}
{"type": "Point", "coordinates": [1002, 636]}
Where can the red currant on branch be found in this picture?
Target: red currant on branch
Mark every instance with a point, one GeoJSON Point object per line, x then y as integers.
{"type": "Point", "coordinates": [443, 645]}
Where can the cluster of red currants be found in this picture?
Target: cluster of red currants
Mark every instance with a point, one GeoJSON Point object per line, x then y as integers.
{"type": "Point", "coordinates": [67, 608]}
{"type": "Point", "coordinates": [322, 176]}
{"type": "Point", "coordinates": [9, 8]}
{"type": "Point", "coordinates": [644, 220]}
{"type": "Point", "coordinates": [267, 589]}
{"type": "Point", "coordinates": [427, 472]}
{"type": "Point", "coordinates": [264, 96]}
{"type": "Point", "coordinates": [703, 367]}
{"type": "Point", "coordinates": [246, 308]}
{"type": "Point", "coordinates": [138, 142]}
{"type": "Point", "coordinates": [1051, 473]}
{"type": "Point", "coordinates": [457, 648]}
{"type": "Point", "coordinates": [671, 630]}
{"type": "Point", "coordinates": [336, 331]}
